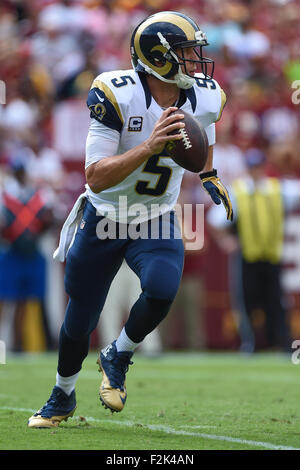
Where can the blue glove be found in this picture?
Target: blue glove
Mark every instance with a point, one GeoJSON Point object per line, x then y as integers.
{"type": "Point", "coordinates": [212, 184]}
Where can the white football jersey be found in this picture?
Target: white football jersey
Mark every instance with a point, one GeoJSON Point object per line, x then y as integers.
{"type": "Point", "coordinates": [123, 114]}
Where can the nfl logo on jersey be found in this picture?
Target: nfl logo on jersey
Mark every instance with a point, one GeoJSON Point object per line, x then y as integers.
{"type": "Point", "coordinates": [135, 124]}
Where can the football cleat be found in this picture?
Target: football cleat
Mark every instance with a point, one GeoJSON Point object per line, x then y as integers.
{"type": "Point", "coordinates": [58, 408]}
{"type": "Point", "coordinates": [113, 365]}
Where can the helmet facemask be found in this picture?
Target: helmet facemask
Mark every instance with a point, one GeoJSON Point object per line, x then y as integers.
{"type": "Point", "coordinates": [205, 66]}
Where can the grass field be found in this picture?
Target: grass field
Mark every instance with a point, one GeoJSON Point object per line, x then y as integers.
{"type": "Point", "coordinates": [177, 401]}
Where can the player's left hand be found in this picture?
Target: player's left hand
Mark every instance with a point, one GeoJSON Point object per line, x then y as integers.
{"type": "Point", "coordinates": [217, 191]}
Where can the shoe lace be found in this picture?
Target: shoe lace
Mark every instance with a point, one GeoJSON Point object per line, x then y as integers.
{"type": "Point", "coordinates": [56, 399]}
{"type": "Point", "coordinates": [121, 365]}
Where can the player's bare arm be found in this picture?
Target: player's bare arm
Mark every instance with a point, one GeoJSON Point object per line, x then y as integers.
{"type": "Point", "coordinates": [209, 162]}
{"type": "Point", "coordinates": [110, 171]}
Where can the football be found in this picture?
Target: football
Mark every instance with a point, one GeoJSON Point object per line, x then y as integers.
{"type": "Point", "coordinates": [191, 151]}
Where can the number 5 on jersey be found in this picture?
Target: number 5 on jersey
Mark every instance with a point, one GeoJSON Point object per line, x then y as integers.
{"type": "Point", "coordinates": [152, 166]}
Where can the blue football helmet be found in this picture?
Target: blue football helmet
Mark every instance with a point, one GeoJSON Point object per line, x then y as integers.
{"type": "Point", "coordinates": [158, 43]}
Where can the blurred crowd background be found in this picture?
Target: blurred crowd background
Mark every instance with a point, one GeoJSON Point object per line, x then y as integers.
{"type": "Point", "coordinates": [50, 52]}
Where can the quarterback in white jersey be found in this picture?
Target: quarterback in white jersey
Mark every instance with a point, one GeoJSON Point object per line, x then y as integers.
{"type": "Point", "coordinates": [126, 156]}
{"type": "Point", "coordinates": [123, 113]}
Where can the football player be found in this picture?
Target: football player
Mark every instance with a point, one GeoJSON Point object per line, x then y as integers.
{"type": "Point", "coordinates": [126, 156]}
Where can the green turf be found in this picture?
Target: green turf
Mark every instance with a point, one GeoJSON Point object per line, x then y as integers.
{"type": "Point", "coordinates": [177, 401]}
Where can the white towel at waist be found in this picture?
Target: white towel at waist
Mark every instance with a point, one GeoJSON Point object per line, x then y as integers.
{"type": "Point", "coordinates": [69, 228]}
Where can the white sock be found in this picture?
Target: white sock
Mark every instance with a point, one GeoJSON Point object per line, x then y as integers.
{"type": "Point", "coordinates": [124, 343]}
{"type": "Point", "coordinates": [67, 384]}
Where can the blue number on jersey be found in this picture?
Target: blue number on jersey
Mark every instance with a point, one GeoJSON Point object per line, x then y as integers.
{"type": "Point", "coordinates": [203, 83]}
{"type": "Point", "coordinates": [123, 81]}
{"type": "Point", "coordinates": [163, 171]}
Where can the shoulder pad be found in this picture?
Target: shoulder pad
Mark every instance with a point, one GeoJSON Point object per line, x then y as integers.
{"type": "Point", "coordinates": [215, 94]}
{"type": "Point", "coordinates": [103, 105]}
{"type": "Point", "coordinates": [116, 89]}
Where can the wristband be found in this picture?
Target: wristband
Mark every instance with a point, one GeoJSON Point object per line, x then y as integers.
{"type": "Point", "coordinates": [208, 174]}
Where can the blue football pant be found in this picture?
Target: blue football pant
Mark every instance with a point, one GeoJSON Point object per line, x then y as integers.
{"type": "Point", "coordinates": [90, 269]}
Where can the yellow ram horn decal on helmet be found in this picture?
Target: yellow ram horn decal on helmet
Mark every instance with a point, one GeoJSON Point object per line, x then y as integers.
{"type": "Point", "coordinates": [167, 67]}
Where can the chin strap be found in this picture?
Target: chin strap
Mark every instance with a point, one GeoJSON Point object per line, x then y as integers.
{"type": "Point", "coordinates": [183, 80]}
{"type": "Point", "coordinates": [180, 79]}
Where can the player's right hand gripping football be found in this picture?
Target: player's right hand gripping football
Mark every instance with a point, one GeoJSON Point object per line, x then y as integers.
{"type": "Point", "coordinates": [217, 191]}
{"type": "Point", "coordinates": [165, 124]}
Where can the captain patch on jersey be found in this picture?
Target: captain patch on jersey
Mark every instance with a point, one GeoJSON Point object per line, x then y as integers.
{"type": "Point", "coordinates": [135, 124]}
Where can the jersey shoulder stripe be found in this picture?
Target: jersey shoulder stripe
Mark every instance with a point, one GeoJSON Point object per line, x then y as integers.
{"type": "Point", "coordinates": [103, 105]}
{"type": "Point", "coordinates": [101, 85]}
{"type": "Point", "coordinates": [103, 110]}
{"type": "Point", "coordinates": [122, 86]}
{"type": "Point", "coordinates": [223, 102]}
{"type": "Point", "coordinates": [109, 97]}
